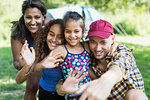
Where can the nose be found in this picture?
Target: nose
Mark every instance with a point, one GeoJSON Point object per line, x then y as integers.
{"type": "Point", "coordinates": [72, 35]}
{"type": "Point", "coordinates": [54, 39]}
{"type": "Point", "coordinates": [33, 21]}
{"type": "Point", "coordinates": [98, 47]}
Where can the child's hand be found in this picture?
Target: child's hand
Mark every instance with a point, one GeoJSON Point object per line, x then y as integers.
{"type": "Point", "coordinates": [71, 83]}
{"type": "Point", "coordinates": [52, 61]}
{"type": "Point", "coordinates": [112, 49]}
{"type": "Point", "coordinates": [28, 56]}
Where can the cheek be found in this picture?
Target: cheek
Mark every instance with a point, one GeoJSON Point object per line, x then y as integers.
{"type": "Point", "coordinates": [40, 21]}
{"type": "Point", "coordinates": [92, 47]}
{"type": "Point", "coordinates": [26, 21]}
{"type": "Point", "coordinates": [59, 41]}
{"type": "Point", "coordinates": [49, 38]}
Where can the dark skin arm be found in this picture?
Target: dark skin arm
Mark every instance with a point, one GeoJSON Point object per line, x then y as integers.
{"type": "Point", "coordinates": [16, 46]}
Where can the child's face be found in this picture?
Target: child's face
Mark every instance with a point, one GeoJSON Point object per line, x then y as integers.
{"type": "Point", "coordinates": [54, 37]}
{"type": "Point", "coordinates": [73, 32]}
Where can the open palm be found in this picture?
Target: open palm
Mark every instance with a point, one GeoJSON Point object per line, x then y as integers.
{"type": "Point", "coordinates": [71, 83]}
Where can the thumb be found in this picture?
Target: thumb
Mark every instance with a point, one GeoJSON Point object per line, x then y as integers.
{"type": "Point", "coordinates": [82, 88]}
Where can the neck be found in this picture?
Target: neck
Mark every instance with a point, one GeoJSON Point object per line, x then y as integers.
{"type": "Point", "coordinates": [33, 35]}
{"type": "Point", "coordinates": [102, 64]}
{"type": "Point", "coordinates": [75, 49]}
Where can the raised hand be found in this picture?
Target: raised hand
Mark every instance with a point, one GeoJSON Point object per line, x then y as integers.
{"type": "Point", "coordinates": [71, 83]}
{"type": "Point", "coordinates": [52, 61]}
{"type": "Point", "coordinates": [28, 56]}
{"type": "Point", "coordinates": [112, 49]}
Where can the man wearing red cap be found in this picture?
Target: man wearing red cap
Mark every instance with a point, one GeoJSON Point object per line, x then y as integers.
{"type": "Point", "coordinates": [116, 78]}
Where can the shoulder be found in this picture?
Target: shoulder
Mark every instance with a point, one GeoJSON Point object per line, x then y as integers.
{"type": "Point", "coordinates": [60, 49]}
{"type": "Point", "coordinates": [17, 41]}
{"type": "Point", "coordinates": [123, 52]}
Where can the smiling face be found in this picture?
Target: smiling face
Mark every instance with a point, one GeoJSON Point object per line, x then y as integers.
{"type": "Point", "coordinates": [55, 36]}
{"type": "Point", "coordinates": [100, 47]}
{"type": "Point", "coordinates": [73, 32]}
{"type": "Point", "coordinates": [33, 19]}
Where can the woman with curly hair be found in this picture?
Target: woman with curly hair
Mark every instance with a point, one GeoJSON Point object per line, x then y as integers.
{"type": "Point", "coordinates": [47, 39]}
{"type": "Point", "coordinates": [32, 19]}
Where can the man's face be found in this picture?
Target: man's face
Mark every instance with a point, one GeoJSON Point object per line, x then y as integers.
{"type": "Point", "coordinates": [100, 47]}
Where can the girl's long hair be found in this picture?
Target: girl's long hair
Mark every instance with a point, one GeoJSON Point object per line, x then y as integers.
{"type": "Point", "coordinates": [41, 47]}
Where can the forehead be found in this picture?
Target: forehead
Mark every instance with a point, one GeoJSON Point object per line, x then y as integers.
{"type": "Point", "coordinates": [56, 28]}
{"type": "Point", "coordinates": [74, 23]}
{"type": "Point", "coordinates": [33, 11]}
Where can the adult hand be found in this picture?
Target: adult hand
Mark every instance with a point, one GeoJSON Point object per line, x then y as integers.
{"type": "Point", "coordinates": [94, 90]}
{"type": "Point", "coordinates": [28, 56]}
{"type": "Point", "coordinates": [71, 83]}
{"type": "Point", "coordinates": [52, 61]}
{"type": "Point", "coordinates": [21, 62]}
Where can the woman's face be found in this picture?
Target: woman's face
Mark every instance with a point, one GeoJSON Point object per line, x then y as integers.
{"type": "Point", "coordinates": [33, 19]}
{"type": "Point", "coordinates": [55, 36]}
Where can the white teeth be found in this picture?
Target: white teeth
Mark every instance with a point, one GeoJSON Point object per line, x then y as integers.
{"type": "Point", "coordinates": [53, 44]}
{"type": "Point", "coordinates": [98, 52]}
{"type": "Point", "coordinates": [73, 40]}
{"type": "Point", "coordinates": [33, 26]}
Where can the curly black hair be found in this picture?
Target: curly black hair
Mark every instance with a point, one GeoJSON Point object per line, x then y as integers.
{"type": "Point", "coordinates": [41, 47]}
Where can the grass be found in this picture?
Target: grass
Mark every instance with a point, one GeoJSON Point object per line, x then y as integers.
{"type": "Point", "coordinates": [9, 88]}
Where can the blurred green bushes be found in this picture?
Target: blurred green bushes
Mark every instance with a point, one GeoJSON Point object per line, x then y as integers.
{"type": "Point", "coordinates": [129, 17]}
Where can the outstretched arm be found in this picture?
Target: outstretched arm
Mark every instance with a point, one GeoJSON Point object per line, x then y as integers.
{"type": "Point", "coordinates": [100, 88]}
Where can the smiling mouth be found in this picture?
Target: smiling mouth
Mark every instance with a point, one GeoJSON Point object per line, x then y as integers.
{"type": "Point", "coordinates": [73, 40]}
{"type": "Point", "coordinates": [99, 53]}
{"type": "Point", "coordinates": [33, 26]}
{"type": "Point", "coordinates": [53, 44]}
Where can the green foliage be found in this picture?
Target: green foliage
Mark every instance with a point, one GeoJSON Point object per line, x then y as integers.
{"type": "Point", "coordinates": [54, 3]}
{"type": "Point", "coordinates": [125, 28]}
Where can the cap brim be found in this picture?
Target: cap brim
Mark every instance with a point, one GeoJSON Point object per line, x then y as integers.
{"type": "Point", "coordinates": [104, 35]}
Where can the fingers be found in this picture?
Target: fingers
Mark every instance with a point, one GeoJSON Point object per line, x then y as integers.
{"type": "Point", "coordinates": [70, 72]}
{"type": "Point", "coordinates": [113, 49]}
{"type": "Point", "coordinates": [59, 60]}
{"type": "Point", "coordinates": [82, 88]}
{"type": "Point", "coordinates": [32, 50]}
{"type": "Point", "coordinates": [80, 73]}
{"type": "Point", "coordinates": [75, 72]}
{"type": "Point", "coordinates": [83, 76]}
{"type": "Point", "coordinates": [58, 55]}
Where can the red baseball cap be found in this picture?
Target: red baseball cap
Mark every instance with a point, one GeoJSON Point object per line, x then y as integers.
{"type": "Point", "coordinates": [100, 28]}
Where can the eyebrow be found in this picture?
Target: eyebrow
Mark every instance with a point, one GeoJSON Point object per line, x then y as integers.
{"type": "Point", "coordinates": [51, 31]}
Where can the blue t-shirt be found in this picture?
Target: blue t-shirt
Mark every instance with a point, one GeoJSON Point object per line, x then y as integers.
{"type": "Point", "coordinates": [50, 78]}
